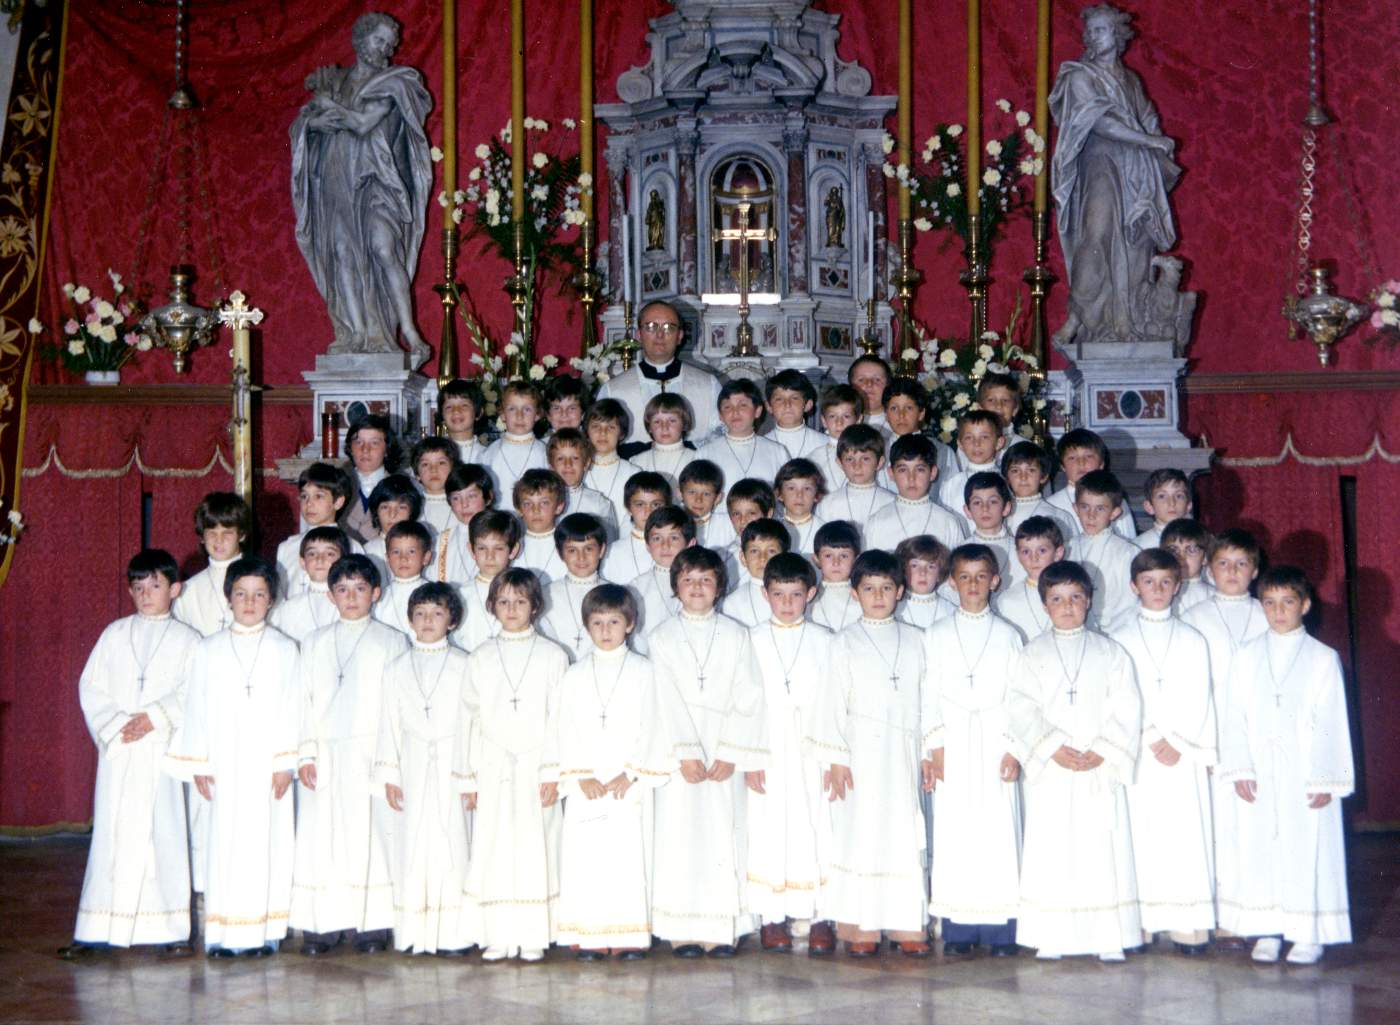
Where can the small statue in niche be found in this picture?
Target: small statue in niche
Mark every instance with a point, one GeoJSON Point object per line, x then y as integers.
{"type": "Point", "coordinates": [835, 218]}
{"type": "Point", "coordinates": [656, 222]}
{"type": "Point", "coordinates": [1166, 310]}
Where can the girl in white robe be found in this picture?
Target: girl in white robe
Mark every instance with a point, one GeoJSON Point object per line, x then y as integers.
{"type": "Point", "coordinates": [137, 885]}
{"type": "Point", "coordinates": [413, 763]}
{"type": "Point", "coordinates": [508, 764]}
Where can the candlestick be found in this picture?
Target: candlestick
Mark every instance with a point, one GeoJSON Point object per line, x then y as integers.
{"type": "Point", "coordinates": [870, 254]}
{"type": "Point", "coordinates": [517, 110]}
{"type": "Point", "coordinates": [974, 107]}
{"type": "Point", "coordinates": [626, 257]}
{"type": "Point", "coordinates": [627, 349]}
{"type": "Point", "coordinates": [1042, 100]}
{"type": "Point", "coordinates": [974, 278]}
{"type": "Point", "coordinates": [905, 281]}
{"type": "Point", "coordinates": [447, 292]}
{"type": "Point", "coordinates": [449, 107]}
{"type": "Point", "coordinates": [870, 341]}
{"type": "Point", "coordinates": [587, 281]}
{"type": "Point", "coordinates": [906, 101]}
{"type": "Point", "coordinates": [1039, 277]}
{"type": "Point", "coordinates": [585, 89]}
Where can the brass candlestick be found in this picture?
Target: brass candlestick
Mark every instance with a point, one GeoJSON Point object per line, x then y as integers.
{"type": "Point", "coordinates": [1039, 277]}
{"type": "Point", "coordinates": [627, 348]}
{"type": "Point", "coordinates": [974, 279]}
{"type": "Point", "coordinates": [870, 341]}
{"type": "Point", "coordinates": [905, 282]}
{"type": "Point", "coordinates": [518, 288]}
{"type": "Point", "coordinates": [447, 291]}
{"type": "Point", "coordinates": [588, 282]}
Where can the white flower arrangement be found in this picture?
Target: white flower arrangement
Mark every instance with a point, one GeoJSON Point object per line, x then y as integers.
{"type": "Point", "coordinates": [1385, 318]}
{"type": "Point", "coordinates": [101, 334]}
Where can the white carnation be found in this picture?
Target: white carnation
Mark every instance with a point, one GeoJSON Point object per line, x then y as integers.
{"type": "Point", "coordinates": [435, 154]}
{"type": "Point", "coordinates": [954, 189]}
{"type": "Point", "coordinates": [991, 176]}
{"type": "Point", "coordinates": [994, 148]}
{"type": "Point", "coordinates": [909, 354]}
{"type": "Point", "coordinates": [923, 224]}
{"type": "Point", "coordinates": [76, 347]}
{"type": "Point", "coordinates": [1004, 106]}
{"type": "Point", "coordinates": [585, 180]}
{"type": "Point", "coordinates": [960, 400]}
{"type": "Point", "coordinates": [887, 142]}
{"type": "Point", "coordinates": [948, 357]}
{"type": "Point", "coordinates": [1022, 118]}
{"type": "Point", "coordinates": [35, 326]}
{"type": "Point", "coordinates": [537, 373]}
{"type": "Point", "coordinates": [955, 130]}
{"type": "Point", "coordinates": [81, 294]}
{"type": "Point", "coordinates": [483, 151]}
{"type": "Point", "coordinates": [540, 160]}
{"type": "Point", "coordinates": [985, 351]}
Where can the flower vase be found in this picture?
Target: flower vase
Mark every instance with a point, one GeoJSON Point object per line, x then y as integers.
{"type": "Point", "coordinates": [103, 377]}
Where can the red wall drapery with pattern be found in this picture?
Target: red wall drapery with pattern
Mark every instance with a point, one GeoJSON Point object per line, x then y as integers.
{"type": "Point", "coordinates": [1225, 77]}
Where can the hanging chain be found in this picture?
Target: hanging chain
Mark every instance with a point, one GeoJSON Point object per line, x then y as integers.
{"type": "Point", "coordinates": [179, 43]}
{"type": "Point", "coordinates": [1307, 190]}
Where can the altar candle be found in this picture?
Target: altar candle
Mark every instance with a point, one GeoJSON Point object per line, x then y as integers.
{"type": "Point", "coordinates": [870, 254]}
{"type": "Point", "coordinates": [517, 109]}
{"type": "Point", "coordinates": [585, 88]}
{"type": "Point", "coordinates": [1042, 98]}
{"type": "Point", "coordinates": [626, 257]}
{"type": "Point", "coordinates": [449, 107]}
{"type": "Point", "coordinates": [906, 97]}
{"type": "Point", "coordinates": [974, 106]}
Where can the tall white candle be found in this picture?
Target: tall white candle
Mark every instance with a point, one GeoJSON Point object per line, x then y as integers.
{"type": "Point", "coordinates": [626, 257]}
{"type": "Point", "coordinates": [870, 254]}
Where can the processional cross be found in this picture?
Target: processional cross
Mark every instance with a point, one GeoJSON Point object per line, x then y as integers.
{"type": "Point", "coordinates": [743, 234]}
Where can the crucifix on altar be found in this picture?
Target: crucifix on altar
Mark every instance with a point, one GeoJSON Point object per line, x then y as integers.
{"type": "Point", "coordinates": [745, 194]}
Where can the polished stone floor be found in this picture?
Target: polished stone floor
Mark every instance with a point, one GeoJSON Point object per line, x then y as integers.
{"type": "Point", "coordinates": [39, 884]}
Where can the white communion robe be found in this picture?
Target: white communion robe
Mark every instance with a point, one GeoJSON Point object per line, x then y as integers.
{"type": "Point", "coordinates": [1227, 623]}
{"type": "Point", "coordinates": [697, 888]}
{"type": "Point", "coordinates": [392, 607]}
{"type": "Point", "coordinates": [756, 456]}
{"type": "Point", "coordinates": [799, 442]}
{"type": "Point", "coordinates": [136, 888]}
{"type": "Point", "coordinates": [1020, 605]}
{"type": "Point", "coordinates": [748, 603]}
{"type": "Point", "coordinates": [1288, 733]}
{"type": "Point", "coordinates": [802, 532]}
{"type": "Point", "coordinates": [868, 720]}
{"type": "Point", "coordinates": [418, 729]}
{"type": "Point", "coordinates": [668, 460]}
{"type": "Point", "coordinates": [293, 578]}
{"type": "Point", "coordinates": [1078, 892]}
{"type": "Point", "coordinates": [240, 728]}
{"type": "Point", "coordinates": [608, 475]}
{"type": "Point", "coordinates": [437, 513]}
{"type": "Point", "coordinates": [1063, 500]}
{"type": "Point", "coordinates": [970, 660]}
{"type": "Point", "coordinates": [952, 488]}
{"type": "Point", "coordinates": [473, 450]}
{"type": "Point", "coordinates": [789, 825]}
{"type": "Point", "coordinates": [478, 624]}
{"type": "Point", "coordinates": [301, 616]}
{"type": "Point", "coordinates": [1169, 806]}
{"type": "Point", "coordinates": [562, 621]}
{"type": "Point", "coordinates": [836, 607]}
{"type": "Point", "coordinates": [511, 689]}
{"type": "Point", "coordinates": [585, 499]}
{"type": "Point", "coordinates": [857, 504]}
{"type": "Point", "coordinates": [627, 559]}
{"type": "Point", "coordinates": [830, 466]}
{"type": "Point", "coordinates": [537, 553]}
{"type": "Point", "coordinates": [655, 600]}
{"type": "Point", "coordinates": [344, 826]}
{"type": "Point", "coordinates": [509, 456]}
{"type": "Point", "coordinates": [923, 610]}
{"type": "Point", "coordinates": [1023, 509]}
{"type": "Point", "coordinates": [1108, 559]}
{"type": "Point", "coordinates": [201, 603]}
{"type": "Point", "coordinates": [1193, 591]}
{"type": "Point", "coordinates": [906, 517]}
{"type": "Point", "coordinates": [453, 562]}
{"type": "Point", "coordinates": [614, 715]}
{"type": "Point", "coordinates": [697, 386]}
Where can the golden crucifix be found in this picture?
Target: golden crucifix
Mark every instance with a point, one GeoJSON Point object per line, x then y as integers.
{"type": "Point", "coordinates": [743, 234]}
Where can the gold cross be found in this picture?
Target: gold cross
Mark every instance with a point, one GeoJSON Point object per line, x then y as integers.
{"type": "Point", "coordinates": [743, 234]}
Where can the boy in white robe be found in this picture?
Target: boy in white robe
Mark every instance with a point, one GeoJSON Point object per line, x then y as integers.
{"type": "Point", "coordinates": [1080, 451]}
{"type": "Point", "coordinates": [222, 521]}
{"type": "Point", "coordinates": [840, 407]}
{"type": "Point", "coordinates": [1039, 544]}
{"type": "Point", "coordinates": [698, 874]}
{"type": "Point", "coordinates": [322, 491]}
{"type": "Point", "coordinates": [459, 406]}
{"type": "Point", "coordinates": [433, 460]}
{"type": "Point", "coordinates": [136, 889]}
{"type": "Point", "coordinates": [510, 775]}
{"type": "Point", "coordinates": [538, 498]}
{"type": "Point", "coordinates": [970, 660]}
{"type": "Point", "coordinates": [394, 500]}
{"type": "Point", "coordinates": [608, 473]}
{"type": "Point", "coordinates": [1229, 620]}
{"type": "Point", "coordinates": [581, 540]}
{"type": "Point", "coordinates": [748, 499]}
{"type": "Point", "coordinates": [986, 500]}
{"type": "Point", "coordinates": [1166, 497]}
{"type": "Point", "coordinates": [669, 531]}
{"type": "Point", "coordinates": [617, 727]}
{"type": "Point", "coordinates": [470, 490]}
{"type": "Point", "coordinates": [628, 558]}
{"type": "Point", "coordinates": [739, 450]}
{"type": "Point", "coordinates": [1076, 722]}
{"type": "Point", "coordinates": [914, 468]}
{"type": "Point", "coordinates": [570, 455]}
{"type": "Point", "coordinates": [669, 420]}
{"type": "Point", "coordinates": [800, 486]}
{"type": "Point", "coordinates": [761, 541]}
{"type": "Point", "coordinates": [1105, 555]}
{"type": "Point", "coordinates": [791, 398]}
{"type": "Point", "coordinates": [302, 615]}
{"type": "Point", "coordinates": [905, 402]}
{"type": "Point", "coordinates": [789, 826]}
{"type": "Point", "coordinates": [408, 553]}
{"type": "Point", "coordinates": [413, 763]}
{"type": "Point", "coordinates": [1169, 802]}
{"type": "Point", "coordinates": [867, 738]}
{"type": "Point", "coordinates": [980, 442]}
{"type": "Point", "coordinates": [701, 484]}
{"type": "Point", "coordinates": [861, 451]}
{"type": "Point", "coordinates": [1287, 754]}
{"type": "Point", "coordinates": [517, 449]}
{"type": "Point", "coordinates": [836, 547]}
{"type": "Point", "coordinates": [238, 736]}
{"type": "Point", "coordinates": [1189, 542]}
{"type": "Point", "coordinates": [495, 537]}
{"type": "Point", "coordinates": [924, 561]}
{"type": "Point", "coordinates": [1028, 468]}
{"type": "Point", "coordinates": [342, 882]}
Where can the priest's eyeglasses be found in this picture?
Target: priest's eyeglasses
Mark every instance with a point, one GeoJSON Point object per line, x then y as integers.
{"type": "Point", "coordinates": [660, 327]}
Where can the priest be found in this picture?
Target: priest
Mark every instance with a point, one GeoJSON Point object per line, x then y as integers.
{"type": "Point", "coordinates": [661, 370]}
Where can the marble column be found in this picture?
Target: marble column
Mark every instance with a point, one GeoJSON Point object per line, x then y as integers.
{"type": "Point", "coordinates": [795, 145]}
{"type": "Point", "coordinates": [875, 198]}
{"type": "Point", "coordinates": [616, 157]}
{"type": "Point", "coordinates": [688, 256]}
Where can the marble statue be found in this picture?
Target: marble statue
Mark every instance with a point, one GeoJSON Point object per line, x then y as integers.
{"type": "Point", "coordinates": [361, 186]}
{"type": "Point", "coordinates": [835, 218]}
{"type": "Point", "coordinates": [1111, 172]}
{"type": "Point", "coordinates": [1168, 311]}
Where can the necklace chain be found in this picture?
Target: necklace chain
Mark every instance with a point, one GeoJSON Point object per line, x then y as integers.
{"type": "Point", "coordinates": [709, 647]}
{"type": "Point", "coordinates": [1166, 651]}
{"type": "Point", "coordinates": [141, 666]}
{"type": "Point", "coordinates": [957, 636]}
{"type": "Point", "coordinates": [418, 679]}
{"type": "Point", "coordinates": [1073, 679]}
{"type": "Point", "coordinates": [252, 666]}
{"type": "Point", "coordinates": [341, 664]}
{"type": "Point", "coordinates": [612, 693]}
{"type": "Point", "coordinates": [898, 642]}
{"type": "Point", "coordinates": [787, 669]}
{"type": "Point", "coordinates": [514, 685]}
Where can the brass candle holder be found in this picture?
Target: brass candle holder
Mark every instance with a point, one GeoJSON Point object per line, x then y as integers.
{"type": "Point", "coordinates": [1039, 277]}
{"type": "Point", "coordinates": [975, 279]}
{"type": "Point", "coordinates": [518, 288]}
{"type": "Point", "coordinates": [905, 282]}
{"type": "Point", "coordinates": [870, 341]}
{"type": "Point", "coordinates": [589, 284]}
{"type": "Point", "coordinates": [447, 370]}
{"type": "Point", "coordinates": [627, 348]}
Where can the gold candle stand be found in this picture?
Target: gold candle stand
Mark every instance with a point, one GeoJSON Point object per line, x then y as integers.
{"type": "Point", "coordinates": [588, 282]}
{"type": "Point", "coordinates": [974, 278]}
{"type": "Point", "coordinates": [905, 281]}
{"type": "Point", "coordinates": [1039, 277]}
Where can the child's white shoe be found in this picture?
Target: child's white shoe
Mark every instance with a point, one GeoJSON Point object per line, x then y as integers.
{"type": "Point", "coordinates": [495, 953]}
{"type": "Point", "coordinates": [1305, 953]}
{"type": "Point", "coordinates": [531, 955]}
{"type": "Point", "coordinates": [1266, 950]}
{"type": "Point", "coordinates": [1113, 957]}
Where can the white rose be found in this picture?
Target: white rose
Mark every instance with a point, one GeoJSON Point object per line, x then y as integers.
{"type": "Point", "coordinates": [143, 343]}
{"type": "Point", "coordinates": [888, 169]}
{"type": "Point", "coordinates": [76, 347]}
{"type": "Point", "coordinates": [1022, 118]}
{"type": "Point", "coordinates": [483, 151]}
{"type": "Point", "coordinates": [541, 125]}
{"type": "Point", "coordinates": [954, 189]}
{"type": "Point", "coordinates": [457, 215]}
{"type": "Point", "coordinates": [960, 400]}
{"type": "Point", "coordinates": [81, 294]}
{"type": "Point", "coordinates": [540, 160]}
{"type": "Point", "coordinates": [435, 155]}
{"type": "Point", "coordinates": [1004, 106]}
{"type": "Point", "coordinates": [948, 357]}
{"type": "Point", "coordinates": [979, 369]}
{"type": "Point", "coordinates": [550, 361]}
{"type": "Point", "coordinates": [1037, 165]}
{"type": "Point", "coordinates": [994, 148]}
{"type": "Point", "coordinates": [459, 197]}
{"type": "Point", "coordinates": [955, 130]}
{"type": "Point", "coordinates": [923, 224]}
{"type": "Point", "coordinates": [34, 326]}
{"type": "Point", "coordinates": [511, 349]}
{"type": "Point", "coordinates": [585, 180]}
{"type": "Point", "coordinates": [887, 142]}
{"type": "Point", "coordinates": [985, 351]}
{"type": "Point", "coordinates": [909, 354]}
{"type": "Point", "coordinates": [991, 176]}
{"type": "Point", "coordinates": [537, 373]}
{"type": "Point", "coordinates": [15, 518]}
{"type": "Point", "coordinates": [117, 287]}
{"type": "Point", "coordinates": [948, 424]}
{"type": "Point", "coordinates": [1026, 167]}
{"type": "Point", "coordinates": [474, 174]}
{"type": "Point", "coordinates": [902, 173]}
